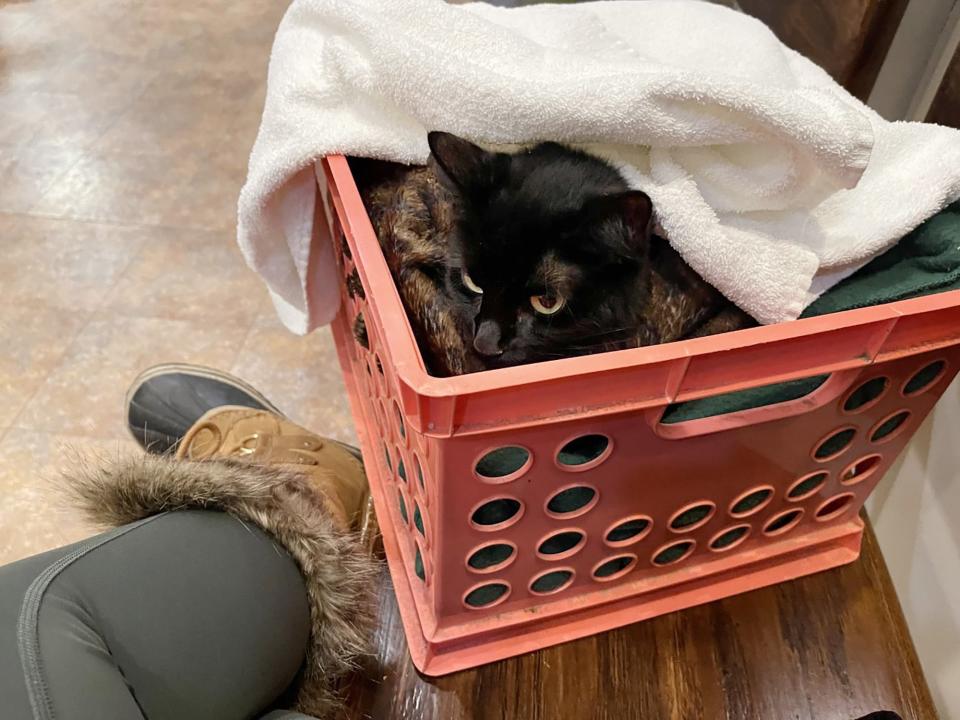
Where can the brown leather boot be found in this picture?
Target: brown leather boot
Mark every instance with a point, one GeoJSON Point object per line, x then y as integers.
{"type": "Point", "coordinates": [258, 436]}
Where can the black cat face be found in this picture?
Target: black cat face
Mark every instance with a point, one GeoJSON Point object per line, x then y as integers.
{"type": "Point", "coordinates": [550, 257]}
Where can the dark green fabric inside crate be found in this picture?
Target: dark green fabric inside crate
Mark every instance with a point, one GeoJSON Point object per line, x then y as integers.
{"type": "Point", "coordinates": [743, 399]}
{"type": "Point", "coordinates": [926, 261]}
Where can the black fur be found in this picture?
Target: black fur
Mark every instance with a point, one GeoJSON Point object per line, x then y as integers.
{"type": "Point", "coordinates": [554, 203]}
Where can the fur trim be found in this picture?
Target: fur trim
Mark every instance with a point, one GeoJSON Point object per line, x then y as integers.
{"type": "Point", "coordinates": [337, 571]}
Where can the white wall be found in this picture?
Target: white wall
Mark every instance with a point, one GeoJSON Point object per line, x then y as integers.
{"type": "Point", "coordinates": [917, 59]}
{"type": "Point", "coordinates": [916, 508]}
{"type": "Point", "coordinates": [916, 513]}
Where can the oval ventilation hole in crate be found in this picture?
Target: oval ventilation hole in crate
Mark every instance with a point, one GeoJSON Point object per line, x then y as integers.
{"type": "Point", "coordinates": [484, 596]}
{"type": "Point", "coordinates": [488, 558]}
{"type": "Point", "coordinates": [751, 502]}
{"type": "Point", "coordinates": [497, 513]}
{"type": "Point", "coordinates": [403, 508]}
{"type": "Point", "coordinates": [572, 501]}
{"type": "Point", "coordinates": [354, 286]}
{"type": "Point", "coordinates": [674, 553]}
{"type": "Point", "coordinates": [552, 581]}
{"type": "Point", "coordinates": [866, 395]}
{"type": "Point", "coordinates": [398, 419]}
{"type": "Point", "coordinates": [359, 331]}
{"type": "Point", "coordinates": [628, 531]}
{"type": "Point", "coordinates": [834, 507]}
{"type": "Point", "coordinates": [614, 568]}
{"type": "Point", "coordinates": [503, 464]}
{"type": "Point", "coordinates": [807, 486]}
{"type": "Point", "coordinates": [418, 519]}
{"type": "Point", "coordinates": [418, 468]}
{"type": "Point", "coordinates": [562, 544]}
{"type": "Point", "coordinates": [860, 470]}
{"type": "Point", "coordinates": [729, 538]}
{"type": "Point", "coordinates": [418, 565]}
{"type": "Point", "coordinates": [888, 428]}
{"type": "Point", "coordinates": [834, 445]}
{"type": "Point", "coordinates": [925, 378]}
{"type": "Point", "coordinates": [693, 516]}
{"type": "Point", "coordinates": [381, 379]}
{"type": "Point", "coordinates": [584, 452]}
{"type": "Point", "coordinates": [783, 523]}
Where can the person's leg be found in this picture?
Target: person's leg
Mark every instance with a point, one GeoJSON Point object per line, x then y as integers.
{"type": "Point", "coordinates": [306, 491]}
{"type": "Point", "coordinates": [193, 614]}
{"type": "Point", "coordinates": [15, 581]}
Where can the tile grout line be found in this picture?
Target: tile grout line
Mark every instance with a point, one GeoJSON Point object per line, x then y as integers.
{"type": "Point", "coordinates": [95, 315]}
{"type": "Point", "coordinates": [103, 305]}
{"type": "Point", "coordinates": [108, 295]}
{"type": "Point", "coordinates": [121, 223]}
{"type": "Point", "coordinates": [243, 345]}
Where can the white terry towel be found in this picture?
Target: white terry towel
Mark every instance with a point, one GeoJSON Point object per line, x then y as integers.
{"type": "Point", "coordinates": [772, 181]}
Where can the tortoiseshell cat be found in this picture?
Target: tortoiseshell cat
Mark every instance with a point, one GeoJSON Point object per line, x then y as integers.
{"type": "Point", "coordinates": [504, 259]}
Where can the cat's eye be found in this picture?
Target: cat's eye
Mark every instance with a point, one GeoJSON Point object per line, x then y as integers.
{"type": "Point", "coordinates": [469, 283]}
{"type": "Point", "coordinates": [546, 304]}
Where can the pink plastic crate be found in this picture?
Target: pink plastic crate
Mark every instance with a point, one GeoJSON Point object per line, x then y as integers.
{"type": "Point", "coordinates": [655, 517]}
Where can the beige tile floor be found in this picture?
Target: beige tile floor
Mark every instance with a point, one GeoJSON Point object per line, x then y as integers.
{"type": "Point", "coordinates": [125, 128]}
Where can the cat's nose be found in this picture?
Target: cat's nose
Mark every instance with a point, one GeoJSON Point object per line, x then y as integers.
{"type": "Point", "coordinates": [486, 340]}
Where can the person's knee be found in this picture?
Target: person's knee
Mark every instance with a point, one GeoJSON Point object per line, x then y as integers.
{"type": "Point", "coordinates": [181, 611]}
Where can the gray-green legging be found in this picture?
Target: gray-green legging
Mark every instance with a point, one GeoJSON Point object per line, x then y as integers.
{"type": "Point", "coordinates": [191, 614]}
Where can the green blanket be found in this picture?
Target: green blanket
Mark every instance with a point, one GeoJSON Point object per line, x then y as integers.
{"type": "Point", "coordinates": [926, 261]}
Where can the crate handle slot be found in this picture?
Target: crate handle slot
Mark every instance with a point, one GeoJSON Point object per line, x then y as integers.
{"type": "Point", "coordinates": [828, 391]}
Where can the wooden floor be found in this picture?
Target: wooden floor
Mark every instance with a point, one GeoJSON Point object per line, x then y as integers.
{"type": "Point", "coordinates": [832, 646]}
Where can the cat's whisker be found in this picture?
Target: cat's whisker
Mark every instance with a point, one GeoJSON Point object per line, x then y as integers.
{"type": "Point", "coordinates": [626, 331]}
{"type": "Point", "coordinates": [602, 344]}
{"type": "Point", "coordinates": [612, 332]}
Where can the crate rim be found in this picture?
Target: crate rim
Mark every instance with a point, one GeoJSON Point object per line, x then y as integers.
{"type": "Point", "coordinates": [408, 363]}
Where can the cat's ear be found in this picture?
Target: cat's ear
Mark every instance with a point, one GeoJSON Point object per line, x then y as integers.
{"type": "Point", "coordinates": [630, 211]}
{"type": "Point", "coordinates": [462, 163]}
